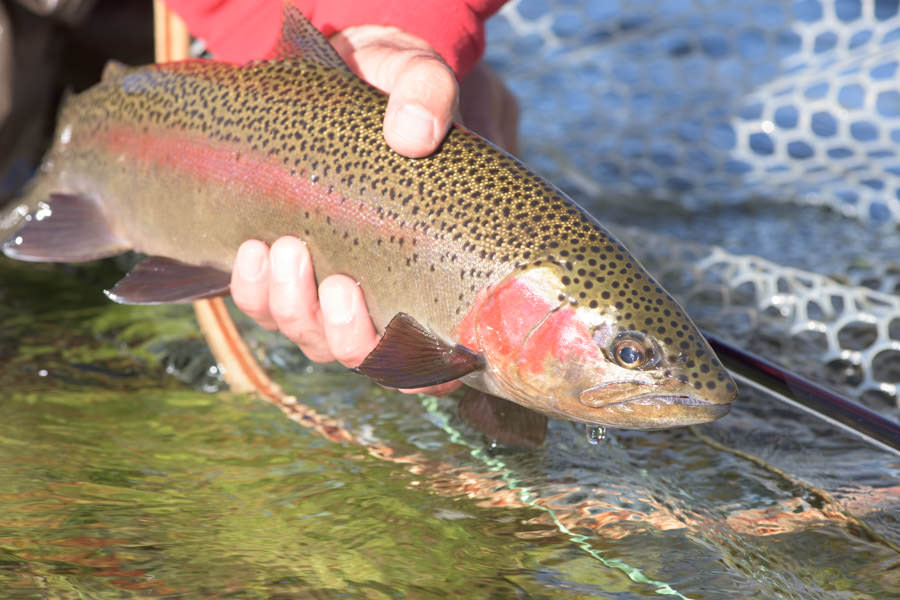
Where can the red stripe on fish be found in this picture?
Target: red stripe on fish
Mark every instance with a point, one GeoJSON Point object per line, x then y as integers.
{"type": "Point", "coordinates": [256, 176]}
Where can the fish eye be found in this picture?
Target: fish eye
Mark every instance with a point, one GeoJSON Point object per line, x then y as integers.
{"type": "Point", "coordinates": [631, 352]}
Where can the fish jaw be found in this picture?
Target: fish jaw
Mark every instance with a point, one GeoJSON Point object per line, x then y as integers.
{"type": "Point", "coordinates": [553, 355]}
{"type": "Point", "coordinates": [630, 406]}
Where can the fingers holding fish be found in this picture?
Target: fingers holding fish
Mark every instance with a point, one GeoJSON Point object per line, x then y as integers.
{"type": "Point", "coordinates": [348, 328]}
{"type": "Point", "coordinates": [334, 324]}
{"type": "Point", "coordinates": [293, 298]}
{"type": "Point", "coordinates": [423, 92]}
{"type": "Point", "coordinates": [277, 288]}
{"type": "Point", "coordinates": [421, 106]}
{"type": "Point", "coordinates": [250, 282]}
{"type": "Point", "coordinates": [424, 96]}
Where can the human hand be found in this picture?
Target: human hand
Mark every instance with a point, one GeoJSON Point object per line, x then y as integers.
{"type": "Point", "coordinates": [277, 287]}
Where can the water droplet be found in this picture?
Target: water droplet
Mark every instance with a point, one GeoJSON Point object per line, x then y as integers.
{"type": "Point", "coordinates": [43, 211]}
{"type": "Point", "coordinates": [595, 434]}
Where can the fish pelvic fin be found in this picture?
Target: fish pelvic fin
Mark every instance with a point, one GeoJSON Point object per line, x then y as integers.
{"type": "Point", "coordinates": [501, 421]}
{"type": "Point", "coordinates": [160, 280]}
{"type": "Point", "coordinates": [299, 39]}
{"type": "Point", "coordinates": [65, 228]}
{"type": "Point", "coordinates": [409, 356]}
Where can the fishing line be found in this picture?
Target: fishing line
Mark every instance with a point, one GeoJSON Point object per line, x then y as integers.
{"type": "Point", "coordinates": [496, 465]}
{"type": "Point", "coordinates": [821, 493]}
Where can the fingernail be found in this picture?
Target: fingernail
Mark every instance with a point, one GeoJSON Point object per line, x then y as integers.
{"type": "Point", "coordinates": [285, 266]}
{"type": "Point", "coordinates": [251, 261]}
{"type": "Point", "coordinates": [413, 123]}
{"type": "Point", "coordinates": [337, 305]}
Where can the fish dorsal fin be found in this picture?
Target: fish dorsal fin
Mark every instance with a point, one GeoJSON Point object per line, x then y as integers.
{"type": "Point", "coordinates": [409, 356]}
{"type": "Point", "coordinates": [300, 39]}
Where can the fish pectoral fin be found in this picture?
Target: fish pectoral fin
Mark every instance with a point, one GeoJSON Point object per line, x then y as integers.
{"type": "Point", "coordinates": [502, 421]}
{"type": "Point", "coordinates": [410, 356]}
{"type": "Point", "coordinates": [160, 280]}
{"type": "Point", "coordinates": [300, 39]}
{"type": "Point", "coordinates": [65, 228]}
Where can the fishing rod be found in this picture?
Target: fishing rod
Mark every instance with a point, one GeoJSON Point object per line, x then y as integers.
{"type": "Point", "coordinates": [798, 391]}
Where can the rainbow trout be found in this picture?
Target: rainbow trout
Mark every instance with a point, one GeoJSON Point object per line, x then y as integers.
{"type": "Point", "coordinates": [472, 266]}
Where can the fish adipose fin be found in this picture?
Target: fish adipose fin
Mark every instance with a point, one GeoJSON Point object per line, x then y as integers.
{"type": "Point", "coordinates": [410, 356]}
{"type": "Point", "coordinates": [159, 280]}
{"type": "Point", "coordinates": [502, 421]}
{"type": "Point", "coordinates": [300, 39]}
{"type": "Point", "coordinates": [65, 229]}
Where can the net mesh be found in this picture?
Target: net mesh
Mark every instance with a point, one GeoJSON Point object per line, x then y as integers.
{"type": "Point", "coordinates": [846, 335]}
{"type": "Point", "coordinates": [766, 108]}
{"type": "Point", "coordinates": [720, 101]}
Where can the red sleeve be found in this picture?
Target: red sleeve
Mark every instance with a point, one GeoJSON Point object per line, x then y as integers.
{"type": "Point", "coordinates": [241, 30]}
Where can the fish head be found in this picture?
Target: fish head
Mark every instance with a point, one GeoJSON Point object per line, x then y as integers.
{"type": "Point", "coordinates": [595, 339]}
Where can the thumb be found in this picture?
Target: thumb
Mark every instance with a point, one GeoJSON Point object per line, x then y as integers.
{"type": "Point", "coordinates": [422, 89]}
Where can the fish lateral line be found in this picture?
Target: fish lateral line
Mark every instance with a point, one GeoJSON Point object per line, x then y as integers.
{"type": "Point", "coordinates": [256, 175]}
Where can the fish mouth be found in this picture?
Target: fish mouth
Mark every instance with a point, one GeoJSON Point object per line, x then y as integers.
{"type": "Point", "coordinates": [654, 410]}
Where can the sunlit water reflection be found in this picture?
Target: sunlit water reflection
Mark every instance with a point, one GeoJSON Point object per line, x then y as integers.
{"type": "Point", "coordinates": [119, 479]}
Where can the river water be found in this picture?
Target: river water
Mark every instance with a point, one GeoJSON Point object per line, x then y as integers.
{"type": "Point", "coordinates": [126, 474]}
